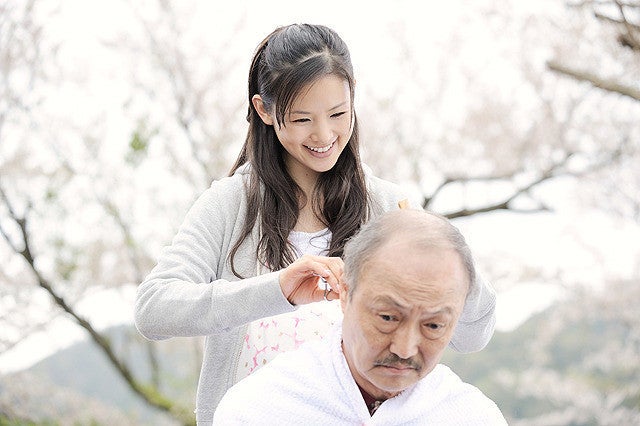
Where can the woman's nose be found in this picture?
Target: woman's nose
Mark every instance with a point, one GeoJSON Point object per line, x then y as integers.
{"type": "Point", "coordinates": [322, 132]}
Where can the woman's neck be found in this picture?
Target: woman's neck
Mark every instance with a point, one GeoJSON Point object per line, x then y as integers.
{"type": "Point", "coordinates": [306, 179]}
{"type": "Point", "coordinates": [308, 221]}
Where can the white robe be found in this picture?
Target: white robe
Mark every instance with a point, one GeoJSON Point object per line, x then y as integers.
{"type": "Point", "coordinates": [313, 386]}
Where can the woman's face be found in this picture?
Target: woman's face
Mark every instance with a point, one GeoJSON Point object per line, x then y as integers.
{"type": "Point", "coordinates": [316, 128]}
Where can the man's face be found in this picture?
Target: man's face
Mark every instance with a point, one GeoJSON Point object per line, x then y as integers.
{"type": "Point", "coordinates": [401, 316]}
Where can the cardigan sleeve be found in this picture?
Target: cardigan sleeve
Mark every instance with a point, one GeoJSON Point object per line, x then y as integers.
{"type": "Point", "coordinates": [477, 322]}
{"type": "Point", "coordinates": [190, 292]}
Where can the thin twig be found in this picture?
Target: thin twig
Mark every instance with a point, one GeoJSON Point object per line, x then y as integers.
{"type": "Point", "coordinates": [596, 81]}
{"type": "Point", "coordinates": [630, 36]}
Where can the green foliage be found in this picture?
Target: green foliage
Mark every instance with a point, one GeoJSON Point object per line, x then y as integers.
{"type": "Point", "coordinates": [139, 144]}
{"type": "Point", "coordinates": [51, 194]}
{"type": "Point", "coordinates": [66, 268]}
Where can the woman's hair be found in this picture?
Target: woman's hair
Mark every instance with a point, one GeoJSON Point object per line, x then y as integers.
{"type": "Point", "coordinates": [286, 62]}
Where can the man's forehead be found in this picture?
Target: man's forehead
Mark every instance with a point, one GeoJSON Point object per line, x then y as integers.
{"type": "Point", "coordinates": [413, 272]}
{"type": "Point", "coordinates": [404, 249]}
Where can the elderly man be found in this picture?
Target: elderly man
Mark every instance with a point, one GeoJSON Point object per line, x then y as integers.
{"type": "Point", "coordinates": [407, 274]}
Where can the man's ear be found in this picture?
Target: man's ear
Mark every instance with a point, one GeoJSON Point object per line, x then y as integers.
{"type": "Point", "coordinates": [262, 112]}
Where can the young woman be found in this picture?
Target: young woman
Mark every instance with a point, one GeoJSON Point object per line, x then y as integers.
{"type": "Point", "coordinates": [248, 265]}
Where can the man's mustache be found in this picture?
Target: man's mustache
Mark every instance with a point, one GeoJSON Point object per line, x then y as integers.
{"type": "Point", "coordinates": [393, 360]}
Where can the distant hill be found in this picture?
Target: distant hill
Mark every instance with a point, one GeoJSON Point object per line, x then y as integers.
{"type": "Point", "coordinates": [497, 369]}
{"type": "Point", "coordinates": [82, 373]}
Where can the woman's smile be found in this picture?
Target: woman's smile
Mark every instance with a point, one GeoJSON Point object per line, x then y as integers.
{"type": "Point", "coordinates": [322, 151]}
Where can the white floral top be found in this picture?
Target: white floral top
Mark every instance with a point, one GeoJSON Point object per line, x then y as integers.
{"type": "Point", "coordinates": [270, 336]}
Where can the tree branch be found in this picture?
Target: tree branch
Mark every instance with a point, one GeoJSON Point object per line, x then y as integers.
{"type": "Point", "coordinates": [426, 201]}
{"type": "Point", "coordinates": [25, 330]}
{"type": "Point", "coordinates": [148, 394]}
{"type": "Point", "coordinates": [630, 36]}
{"type": "Point", "coordinates": [596, 81]}
{"type": "Point", "coordinates": [175, 73]}
{"type": "Point", "coordinates": [629, 5]}
{"type": "Point", "coordinates": [125, 228]}
{"type": "Point", "coordinates": [25, 252]}
{"type": "Point", "coordinates": [505, 205]}
{"type": "Point", "coordinates": [551, 172]}
{"type": "Point", "coordinates": [611, 20]}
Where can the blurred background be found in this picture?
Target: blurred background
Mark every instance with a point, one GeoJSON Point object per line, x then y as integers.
{"type": "Point", "coordinates": [520, 120]}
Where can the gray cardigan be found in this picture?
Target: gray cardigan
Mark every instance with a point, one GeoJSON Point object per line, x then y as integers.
{"type": "Point", "coordinates": [193, 292]}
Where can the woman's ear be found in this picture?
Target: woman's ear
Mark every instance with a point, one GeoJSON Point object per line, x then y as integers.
{"type": "Point", "coordinates": [262, 112]}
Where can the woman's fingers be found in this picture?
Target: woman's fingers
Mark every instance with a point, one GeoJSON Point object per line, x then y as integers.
{"type": "Point", "coordinates": [333, 272]}
{"type": "Point", "coordinates": [300, 281]}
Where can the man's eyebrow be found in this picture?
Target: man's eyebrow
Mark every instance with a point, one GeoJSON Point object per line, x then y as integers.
{"type": "Point", "coordinates": [445, 310]}
{"type": "Point", "coordinates": [388, 300]}
{"type": "Point", "coordinates": [341, 104]}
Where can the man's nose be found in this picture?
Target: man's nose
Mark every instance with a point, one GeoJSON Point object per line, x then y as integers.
{"type": "Point", "coordinates": [405, 341]}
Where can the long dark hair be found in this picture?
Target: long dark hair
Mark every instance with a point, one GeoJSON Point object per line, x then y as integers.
{"type": "Point", "coordinates": [285, 62]}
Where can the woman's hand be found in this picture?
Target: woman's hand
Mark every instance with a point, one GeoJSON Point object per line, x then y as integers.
{"type": "Point", "coordinates": [299, 281]}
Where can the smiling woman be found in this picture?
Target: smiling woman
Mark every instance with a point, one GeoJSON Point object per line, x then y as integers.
{"type": "Point", "coordinates": [245, 267]}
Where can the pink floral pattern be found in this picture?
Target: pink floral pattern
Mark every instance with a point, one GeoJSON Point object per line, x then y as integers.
{"type": "Point", "coordinates": [268, 337]}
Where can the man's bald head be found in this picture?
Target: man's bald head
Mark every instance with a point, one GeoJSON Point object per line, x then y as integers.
{"type": "Point", "coordinates": [416, 228]}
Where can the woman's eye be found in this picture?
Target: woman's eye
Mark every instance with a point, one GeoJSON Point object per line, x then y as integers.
{"type": "Point", "coordinates": [300, 120]}
{"type": "Point", "coordinates": [386, 318]}
{"type": "Point", "coordinates": [338, 114]}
